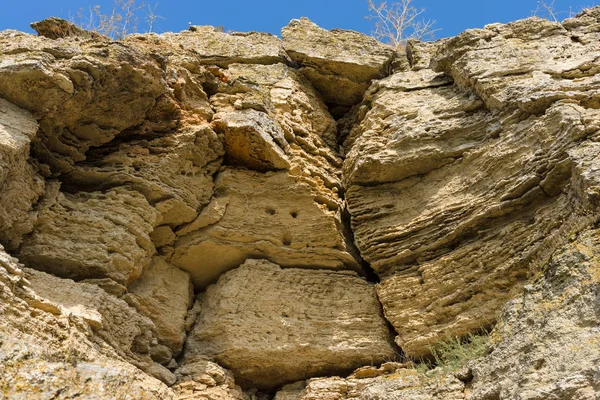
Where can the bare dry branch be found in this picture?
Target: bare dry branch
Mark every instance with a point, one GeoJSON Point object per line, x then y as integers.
{"type": "Point", "coordinates": [399, 21]}
{"type": "Point", "coordinates": [121, 21]}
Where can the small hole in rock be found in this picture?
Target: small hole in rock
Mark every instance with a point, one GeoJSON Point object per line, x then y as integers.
{"type": "Point", "coordinates": [294, 214]}
{"type": "Point", "coordinates": [270, 211]}
{"type": "Point", "coordinates": [286, 240]}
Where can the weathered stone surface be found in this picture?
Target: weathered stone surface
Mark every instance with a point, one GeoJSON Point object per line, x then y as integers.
{"type": "Point", "coordinates": [130, 334]}
{"type": "Point", "coordinates": [339, 63]}
{"type": "Point", "coordinates": [295, 107]}
{"type": "Point", "coordinates": [174, 172]}
{"type": "Point", "coordinates": [402, 384]}
{"type": "Point", "coordinates": [20, 184]}
{"type": "Point", "coordinates": [83, 92]}
{"type": "Point", "coordinates": [91, 234]}
{"type": "Point", "coordinates": [255, 321]}
{"type": "Point", "coordinates": [55, 346]}
{"type": "Point", "coordinates": [548, 340]}
{"type": "Point", "coordinates": [200, 379]}
{"type": "Point", "coordinates": [57, 28]}
{"type": "Point", "coordinates": [213, 47]}
{"type": "Point", "coordinates": [253, 140]}
{"type": "Point", "coordinates": [462, 182]}
{"type": "Point", "coordinates": [163, 293]}
{"type": "Point", "coordinates": [272, 215]}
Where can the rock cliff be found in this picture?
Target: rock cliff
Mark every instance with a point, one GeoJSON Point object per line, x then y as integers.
{"type": "Point", "coordinates": [210, 215]}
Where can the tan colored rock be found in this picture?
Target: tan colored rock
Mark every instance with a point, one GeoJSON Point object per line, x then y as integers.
{"type": "Point", "coordinates": [57, 28]}
{"type": "Point", "coordinates": [291, 104]}
{"type": "Point", "coordinates": [339, 63]}
{"type": "Point", "coordinates": [48, 347]}
{"type": "Point", "coordinates": [256, 322]}
{"type": "Point", "coordinates": [462, 182]}
{"type": "Point", "coordinates": [91, 235]}
{"type": "Point", "coordinates": [213, 47]}
{"type": "Point", "coordinates": [173, 172]}
{"type": "Point", "coordinates": [271, 215]}
{"type": "Point", "coordinates": [84, 92]}
{"type": "Point", "coordinates": [129, 333]}
{"type": "Point", "coordinates": [252, 140]}
{"type": "Point", "coordinates": [528, 64]}
{"type": "Point", "coordinates": [163, 293]}
{"type": "Point", "coordinates": [547, 340]}
{"type": "Point", "coordinates": [201, 379]}
{"type": "Point", "coordinates": [402, 384]}
{"type": "Point", "coordinates": [20, 184]}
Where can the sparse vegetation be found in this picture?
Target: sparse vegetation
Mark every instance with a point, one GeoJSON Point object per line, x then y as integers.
{"type": "Point", "coordinates": [122, 20]}
{"type": "Point", "coordinates": [454, 353]}
{"type": "Point", "coordinates": [399, 21]}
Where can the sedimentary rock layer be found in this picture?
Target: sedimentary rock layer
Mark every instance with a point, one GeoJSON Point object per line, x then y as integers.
{"type": "Point", "coordinates": [271, 325]}
{"type": "Point", "coordinates": [463, 179]}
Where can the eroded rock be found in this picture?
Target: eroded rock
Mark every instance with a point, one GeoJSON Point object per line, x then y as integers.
{"type": "Point", "coordinates": [339, 63]}
{"type": "Point", "coordinates": [547, 339]}
{"type": "Point", "coordinates": [463, 180]}
{"type": "Point", "coordinates": [92, 234]}
{"type": "Point", "coordinates": [20, 184]}
{"type": "Point", "coordinates": [263, 215]}
{"type": "Point", "coordinates": [61, 344]}
{"type": "Point", "coordinates": [256, 322]}
{"type": "Point", "coordinates": [401, 384]}
{"type": "Point", "coordinates": [163, 293]}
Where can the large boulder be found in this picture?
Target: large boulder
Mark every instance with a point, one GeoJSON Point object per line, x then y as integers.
{"type": "Point", "coordinates": [339, 63]}
{"type": "Point", "coordinates": [271, 326]}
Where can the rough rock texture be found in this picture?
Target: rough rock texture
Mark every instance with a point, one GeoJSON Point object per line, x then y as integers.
{"type": "Point", "coordinates": [214, 47]}
{"type": "Point", "coordinates": [20, 184]}
{"type": "Point", "coordinates": [462, 180]}
{"type": "Point", "coordinates": [271, 215]}
{"type": "Point", "coordinates": [339, 63]}
{"type": "Point", "coordinates": [91, 235]}
{"type": "Point", "coordinates": [62, 346]}
{"type": "Point", "coordinates": [201, 379]}
{"type": "Point", "coordinates": [256, 317]}
{"type": "Point", "coordinates": [548, 339]}
{"type": "Point", "coordinates": [163, 293]}
{"type": "Point", "coordinates": [131, 170]}
{"type": "Point", "coordinates": [374, 384]}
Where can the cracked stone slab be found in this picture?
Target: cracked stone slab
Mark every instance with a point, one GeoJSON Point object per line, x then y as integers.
{"type": "Point", "coordinates": [256, 322]}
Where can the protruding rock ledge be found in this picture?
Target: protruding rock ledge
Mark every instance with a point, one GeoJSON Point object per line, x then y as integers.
{"type": "Point", "coordinates": [271, 326]}
{"type": "Point", "coordinates": [339, 63]}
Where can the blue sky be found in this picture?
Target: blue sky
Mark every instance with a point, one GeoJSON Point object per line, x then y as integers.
{"type": "Point", "coordinates": [452, 17]}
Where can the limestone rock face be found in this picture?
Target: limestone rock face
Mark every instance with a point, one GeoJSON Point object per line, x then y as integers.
{"type": "Point", "coordinates": [401, 384]}
{"type": "Point", "coordinates": [547, 339]}
{"type": "Point", "coordinates": [20, 184]}
{"type": "Point", "coordinates": [61, 345]}
{"type": "Point", "coordinates": [463, 180]}
{"type": "Point", "coordinates": [92, 234]}
{"type": "Point", "coordinates": [163, 293]}
{"type": "Point", "coordinates": [339, 63]}
{"type": "Point", "coordinates": [256, 322]}
{"type": "Point", "coordinates": [199, 378]}
{"type": "Point", "coordinates": [263, 177]}
{"type": "Point", "coordinates": [213, 47]}
{"type": "Point", "coordinates": [256, 215]}
{"type": "Point", "coordinates": [83, 92]}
